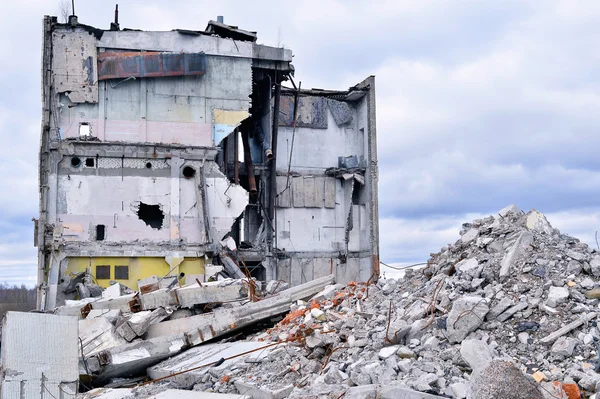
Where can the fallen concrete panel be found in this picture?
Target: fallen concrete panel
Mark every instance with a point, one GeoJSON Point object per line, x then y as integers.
{"type": "Point", "coordinates": [39, 355]}
{"type": "Point", "coordinates": [195, 294]}
{"type": "Point", "coordinates": [201, 328]}
{"type": "Point", "coordinates": [205, 354]}
{"type": "Point", "coordinates": [126, 393]}
{"type": "Point", "coordinates": [98, 334]}
{"type": "Point", "coordinates": [133, 359]}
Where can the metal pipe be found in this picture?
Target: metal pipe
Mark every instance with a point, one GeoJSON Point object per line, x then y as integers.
{"type": "Point", "coordinates": [274, 131]}
{"type": "Point", "coordinates": [117, 14]}
{"type": "Point", "coordinates": [248, 162]}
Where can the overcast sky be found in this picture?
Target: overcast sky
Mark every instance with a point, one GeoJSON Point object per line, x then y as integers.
{"type": "Point", "coordinates": [480, 104]}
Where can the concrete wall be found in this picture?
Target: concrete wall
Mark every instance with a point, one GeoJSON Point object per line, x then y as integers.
{"type": "Point", "coordinates": [313, 209]}
{"type": "Point", "coordinates": [168, 110]}
{"type": "Point", "coordinates": [38, 365]}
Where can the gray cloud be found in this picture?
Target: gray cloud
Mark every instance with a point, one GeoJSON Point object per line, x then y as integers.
{"type": "Point", "coordinates": [480, 104]}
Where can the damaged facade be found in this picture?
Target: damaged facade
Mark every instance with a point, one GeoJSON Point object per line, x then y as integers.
{"type": "Point", "coordinates": [164, 153]}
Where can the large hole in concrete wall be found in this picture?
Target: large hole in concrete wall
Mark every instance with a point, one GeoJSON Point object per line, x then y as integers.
{"type": "Point", "coordinates": [152, 215]}
{"type": "Point", "coordinates": [75, 162]}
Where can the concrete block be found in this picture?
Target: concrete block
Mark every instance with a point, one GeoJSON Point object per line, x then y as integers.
{"type": "Point", "coordinates": [114, 291]}
{"type": "Point", "coordinates": [476, 353]}
{"type": "Point", "coordinates": [194, 294]}
{"type": "Point", "coordinates": [138, 323]}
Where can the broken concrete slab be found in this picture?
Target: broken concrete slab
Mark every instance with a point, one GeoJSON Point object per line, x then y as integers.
{"type": "Point", "coordinates": [98, 334]}
{"type": "Point", "coordinates": [195, 294]}
{"type": "Point", "coordinates": [201, 328]}
{"type": "Point", "coordinates": [132, 359]}
{"type": "Point", "coordinates": [161, 393]}
{"type": "Point", "coordinates": [466, 315]}
{"type": "Point", "coordinates": [138, 323]}
{"type": "Point", "coordinates": [205, 354]}
{"type": "Point", "coordinates": [521, 245]}
{"type": "Point", "coordinates": [39, 354]}
{"type": "Point", "coordinates": [110, 314]}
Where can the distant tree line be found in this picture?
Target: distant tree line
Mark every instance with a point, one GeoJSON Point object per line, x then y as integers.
{"type": "Point", "coordinates": [13, 297]}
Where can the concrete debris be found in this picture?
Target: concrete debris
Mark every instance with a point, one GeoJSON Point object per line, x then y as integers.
{"type": "Point", "coordinates": [462, 328]}
{"type": "Point", "coordinates": [502, 379]}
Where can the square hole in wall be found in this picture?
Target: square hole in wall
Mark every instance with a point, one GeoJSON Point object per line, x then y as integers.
{"type": "Point", "coordinates": [103, 272]}
{"type": "Point", "coordinates": [89, 162]}
{"type": "Point", "coordinates": [121, 272]}
{"type": "Point", "coordinates": [85, 130]}
{"type": "Point", "coordinates": [100, 232]}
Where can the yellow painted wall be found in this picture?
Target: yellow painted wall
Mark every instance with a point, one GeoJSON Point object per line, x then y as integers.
{"type": "Point", "coordinates": [139, 268]}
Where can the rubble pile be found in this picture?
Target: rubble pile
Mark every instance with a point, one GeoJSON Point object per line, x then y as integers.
{"type": "Point", "coordinates": [512, 299]}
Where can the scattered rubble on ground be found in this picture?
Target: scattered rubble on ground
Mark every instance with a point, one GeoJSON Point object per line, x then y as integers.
{"type": "Point", "coordinates": [512, 299]}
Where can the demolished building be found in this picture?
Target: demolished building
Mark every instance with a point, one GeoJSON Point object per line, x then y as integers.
{"type": "Point", "coordinates": [165, 152]}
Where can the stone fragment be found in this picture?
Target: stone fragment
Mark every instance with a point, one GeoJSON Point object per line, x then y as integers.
{"type": "Point", "coordinates": [362, 392]}
{"type": "Point", "coordinates": [587, 283]}
{"type": "Point", "coordinates": [523, 338]}
{"type": "Point", "coordinates": [556, 296]}
{"type": "Point", "coordinates": [593, 294]}
{"type": "Point", "coordinates": [404, 353]}
{"type": "Point", "coordinates": [359, 378]}
{"type": "Point", "coordinates": [500, 307]}
{"type": "Point", "coordinates": [431, 343]}
{"type": "Point", "coordinates": [502, 379]}
{"type": "Point", "coordinates": [595, 265]}
{"type": "Point", "coordinates": [257, 392]}
{"type": "Point", "coordinates": [521, 245]}
{"type": "Point", "coordinates": [466, 315]}
{"type": "Point", "coordinates": [318, 314]}
{"type": "Point", "coordinates": [589, 381]}
{"type": "Point", "coordinates": [469, 236]}
{"type": "Point", "coordinates": [511, 208]}
{"type": "Point", "coordinates": [574, 267]}
{"type": "Point", "coordinates": [468, 265]}
{"type": "Point", "coordinates": [577, 255]}
{"type": "Point", "coordinates": [399, 392]}
{"type": "Point", "coordinates": [476, 353]}
{"type": "Point", "coordinates": [459, 390]}
{"type": "Point", "coordinates": [537, 221]}
{"type": "Point", "coordinates": [387, 351]}
{"type": "Point", "coordinates": [564, 346]}
{"type": "Point", "coordinates": [511, 311]}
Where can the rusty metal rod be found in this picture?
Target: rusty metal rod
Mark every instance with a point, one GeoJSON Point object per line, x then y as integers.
{"type": "Point", "coordinates": [248, 162]}
{"type": "Point", "coordinates": [213, 363]}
